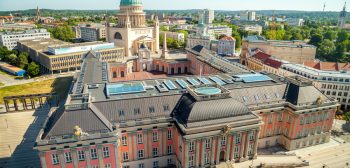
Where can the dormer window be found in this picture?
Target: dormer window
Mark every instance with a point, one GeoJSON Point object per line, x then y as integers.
{"type": "Point", "coordinates": [151, 109]}
{"type": "Point", "coordinates": [137, 111]}
{"type": "Point", "coordinates": [121, 112]}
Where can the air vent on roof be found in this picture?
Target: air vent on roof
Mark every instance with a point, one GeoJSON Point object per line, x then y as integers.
{"type": "Point", "coordinates": [94, 86]}
{"type": "Point", "coordinates": [161, 88]}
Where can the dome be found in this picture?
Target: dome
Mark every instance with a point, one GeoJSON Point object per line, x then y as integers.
{"type": "Point", "coordinates": [130, 2]}
{"type": "Point", "coordinates": [189, 110]}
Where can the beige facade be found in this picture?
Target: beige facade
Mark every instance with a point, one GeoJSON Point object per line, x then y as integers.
{"type": "Point", "coordinates": [292, 51]}
{"type": "Point", "coordinates": [49, 63]}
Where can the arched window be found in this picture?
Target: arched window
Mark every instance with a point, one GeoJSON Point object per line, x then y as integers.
{"type": "Point", "coordinates": [118, 36]}
{"type": "Point", "coordinates": [122, 74]}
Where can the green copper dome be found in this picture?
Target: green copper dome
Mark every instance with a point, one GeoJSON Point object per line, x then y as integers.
{"type": "Point", "coordinates": [130, 2]}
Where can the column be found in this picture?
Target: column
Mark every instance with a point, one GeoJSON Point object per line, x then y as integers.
{"type": "Point", "coordinates": [74, 157]}
{"type": "Point", "coordinates": [256, 139]}
{"type": "Point", "coordinates": [15, 104]}
{"type": "Point", "coordinates": [230, 146]}
{"type": "Point", "coordinates": [164, 137]}
{"type": "Point", "coordinates": [203, 151]}
{"type": "Point", "coordinates": [7, 106]}
{"type": "Point", "coordinates": [241, 150]}
{"type": "Point", "coordinates": [186, 154]}
{"type": "Point", "coordinates": [135, 146]}
{"type": "Point", "coordinates": [145, 137]}
{"type": "Point", "coordinates": [87, 156]}
{"type": "Point", "coordinates": [40, 101]}
{"type": "Point", "coordinates": [99, 155]}
{"type": "Point", "coordinates": [42, 159]}
{"type": "Point", "coordinates": [160, 133]}
{"type": "Point", "coordinates": [218, 150]}
{"type": "Point", "coordinates": [24, 104]}
{"type": "Point", "coordinates": [197, 153]}
{"type": "Point", "coordinates": [246, 145]}
{"type": "Point", "coordinates": [213, 146]}
{"type": "Point", "coordinates": [117, 153]}
{"type": "Point", "coordinates": [61, 158]}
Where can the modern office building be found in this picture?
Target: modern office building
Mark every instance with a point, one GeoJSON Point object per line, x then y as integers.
{"type": "Point", "coordinates": [207, 16]}
{"type": "Point", "coordinates": [183, 121]}
{"type": "Point", "coordinates": [132, 30]}
{"type": "Point", "coordinates": [17, 26]}
{"type": "Point", "coordinates": [296, 52]}
{"type": "Point", "coordinates": [248, 16]}
{"type": "Point", "coordinates": [10, 39]}
{"type": "Point", "coordinates": [92, 32]}
{"type": "Point", "coordinates": [55, 56]}
{"type": "Point", "coordinates": [219, 30]}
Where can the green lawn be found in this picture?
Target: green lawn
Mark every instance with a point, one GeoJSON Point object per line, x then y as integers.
{"type": "Point", "coordinates": [2, 84]}
{"type": "Point", "coordinates": [58, 85]}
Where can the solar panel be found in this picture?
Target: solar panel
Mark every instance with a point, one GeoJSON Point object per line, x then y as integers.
{"type": "Point", "coordinates": [182, 83]}
{"type": "Point", "coordinates": [250, 78]}
{"type": "Point", "coordinates": [125, 88]}
{"type": "Point", "coordinates": [204, 80]}
{"type": "Point", "coordinates": [193, 81]}
{"type": "Point", "coordinates": [217, 80]}
{"type": "Point", "coordinates": [170, 84]}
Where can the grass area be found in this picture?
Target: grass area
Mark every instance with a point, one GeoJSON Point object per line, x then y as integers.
{"type": "Point", "coordinates": [58, 85]}
{"type": "Point", "coordinates": [2, 84]}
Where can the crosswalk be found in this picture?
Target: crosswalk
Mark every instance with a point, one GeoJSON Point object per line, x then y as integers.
{"type": "Point", "coordinates": [18, 132]}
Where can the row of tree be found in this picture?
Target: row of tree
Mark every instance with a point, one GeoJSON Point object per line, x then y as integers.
{"type": "Point", "coordinates": [21, 60]}
{"type": "Point", "coordinates": [64, 33]}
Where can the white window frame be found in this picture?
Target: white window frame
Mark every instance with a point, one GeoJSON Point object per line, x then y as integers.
{"type": "Point", "coordinates": [105, 151]}
{"type": "Point", "coordinates": [93, 153]}
{"type": "Point", "coordinates": [55, 159]}
{"type": "Point", "coordinates": [81, 155]}
{"type": "Point", "coordinates": [139, 138]}
{"type": "Point", "coordinates": [68, 157]}
{"type": "Point", "coordinates": [155, 136]}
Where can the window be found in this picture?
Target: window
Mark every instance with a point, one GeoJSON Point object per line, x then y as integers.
{"type": "Point", "coordinates": [191, 146]}
{"type": "Point", "coordinates": [301, 120]}
{"type": "Point", "coordinates": [108, 165]}
{"type": "Point", "coordinates": [169, 149]}
{"type": "Point", "coordinates": [169, 134]}
{"type": "Point", "coordinates": [166, 108]}
{"type": "Point", "coordinates": [223, 141]}
{"type": "Point", "coordinates": [93, 153]}
{"type": "Point", "coordinates": [55, 159]}
{"type": "Point", "coordinates": [139, 139]}
{"type": "Point", "coordinates": [207, 143]}
{"type": "Point", "coordinates": [81, 155]}
{"type": "Point", "coordinates": [155, 164]}
{"type": "Point", "coordinates": [121, 112]}
{"type": "Point", "coordinates": [125, 156]}
{"type": "Point", "coordinates": [170, 162]}
{"type": "Point", "coordinates": [94, 166]}
{"type": "Point", "coordinates": [105, 151]}
{"type": "Point", "coordinates": [151, 109]}
{"type": "Point", "coordinates": [155, 136]}
{"type": "Point", "coordinates": [190, 161]}
{"type": "Point", "coordinates": [68, 157]}
{"type": "Point", "coordinates": [140, 152]}
{"type": "Point", "coordinates": [245, 99]}
{"type": "Point", "coordinates": [155, 152]}
{"type": "Point", "coordinates": [256, 97]}
{"type": "Point", "coordinates": [124, 140]}
{"type": "Point", "coordinates": [238, 138]}
{"type": "Point", "coordinates": [141, 165]}
{"type": "Point", "coordinates": [136, 111]}
{"type": "Point", "coordinates": [206, 158]}
{"type": "Point", "coordinates": [270, 119]}
{"type": "Point", "coordinates": [251, 136]}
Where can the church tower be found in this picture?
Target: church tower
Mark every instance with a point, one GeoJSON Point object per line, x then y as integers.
{"type": "Point", "coordinates": [342, 17]}
{"type": "Point", "coordinates": [37, 14]}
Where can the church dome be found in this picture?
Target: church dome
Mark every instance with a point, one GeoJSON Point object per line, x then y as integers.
{"type": "Point", "coordinates": [130, 2]}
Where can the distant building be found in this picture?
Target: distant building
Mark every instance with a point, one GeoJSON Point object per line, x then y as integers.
{"type": "Point", "coordinates": [93, 32]}
{"type": "Point", "coordinates": [180, 37]}
{"type": "Point", "coordinates": [342, 17]}
{"type": "Point", "coordinates": [207, 16]}
{"type": "Point", "coordinates": [252, 28]}
{"type": "Point", "coordinates": [295, 22]}
{"type": "Point", "coordinates": [248, 16]}
{"type": "Point", "coordinates": [17, 26]}
{"type": "Point", "coordinates": [219, 30]}
{"type": "Point", "coordinates": [10, 39]}
{"type": "Point", "coordinates": [4, 19]}
{"type": "Point", "coordinates": [292, 51]}
{"type": "Point", "coordinates": [55, 56]}
{"type": "Point", "coordinates": [226, 46]}
{"type": "Point", "coordinates": [46, 20]}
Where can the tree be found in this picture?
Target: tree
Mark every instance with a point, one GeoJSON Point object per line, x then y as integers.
{"type": "Point", "coordinates": [22, 60]}
{"type": "Point", "coordinates": [12, 59]}
{"type": "Point", "coordinates": [316, 40]}
{"type": "Point", "coordinates": [33, 69]}
{"type": "Point", "coordinates": [238, 38]}
{"type": "Point", "coordinates": [347, 117]}
{"type": "Point", "coordinates": [330, 35]}
{"type": "Point", "coordinates": [327, 50]}
{"type": "Point", "coordinates": [342, 36]}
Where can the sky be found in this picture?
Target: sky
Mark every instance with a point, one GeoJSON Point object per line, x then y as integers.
{"type": "Point", "coordinates": [306, 5]}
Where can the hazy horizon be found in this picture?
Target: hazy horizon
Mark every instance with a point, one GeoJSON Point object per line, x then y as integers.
{"type": "Point", "coordinates": [231, 5]}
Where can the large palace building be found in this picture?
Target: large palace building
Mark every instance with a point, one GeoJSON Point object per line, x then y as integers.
{"type": "Point", "coordinates": [132, 30]}
{"type": "Point", "coordinates": [181, 121]}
